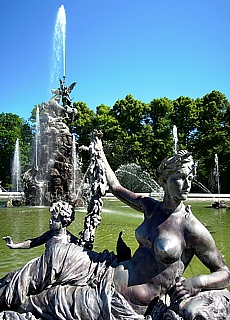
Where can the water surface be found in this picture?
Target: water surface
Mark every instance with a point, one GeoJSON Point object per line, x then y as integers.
{"type": "Point", "coordinates": [28, 222]}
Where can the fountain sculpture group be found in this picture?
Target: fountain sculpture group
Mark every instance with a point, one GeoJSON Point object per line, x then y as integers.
{"type": "Point", "coordinates": [53, 176]}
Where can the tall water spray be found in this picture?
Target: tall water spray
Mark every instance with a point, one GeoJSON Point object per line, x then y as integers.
{"type": "Point", "coordinates": [16, 169]}
{"type": "Point", "coordinates": [175, 139]}
{"type": "Point", "coordinates": [58, 68]}
{"type": "Point", "coordinates": [37, 137]}
{"type": "Point", "coordinates": [74, 163]}
{"type": "Point", "coordinates": [216, 173]}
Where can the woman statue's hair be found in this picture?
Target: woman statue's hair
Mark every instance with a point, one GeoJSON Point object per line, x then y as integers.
{"type": "Point", "coordinates": [65, 210]}
{"type": "Point", "coordinates": [171, 164]}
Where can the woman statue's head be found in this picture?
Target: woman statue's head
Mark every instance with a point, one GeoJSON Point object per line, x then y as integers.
{"type": "Point", "coordinates": [174, 170]}
{"type": "Point", "coordinates": [62, 213]}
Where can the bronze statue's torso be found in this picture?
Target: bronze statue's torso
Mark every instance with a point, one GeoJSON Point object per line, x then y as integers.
{"type": "Point", "coordinates": [163, 234]}
{"type": "Point", "coordinates": [159, 260]}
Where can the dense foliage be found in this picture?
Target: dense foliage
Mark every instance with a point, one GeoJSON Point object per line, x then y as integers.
{"type": "Point", "coordinates": [11, 128]}
{"type": "Point", "coordinates": [141, 133]}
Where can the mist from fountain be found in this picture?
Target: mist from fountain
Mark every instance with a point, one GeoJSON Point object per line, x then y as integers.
{"type": "Point", "coordinates": [16, 169]}
{"type": "Point", "coordinates": [58, 68]}
{"type": "Point", "coordinates": [84, 187]}
{"type": "Point", "coordinates": [132, 177]}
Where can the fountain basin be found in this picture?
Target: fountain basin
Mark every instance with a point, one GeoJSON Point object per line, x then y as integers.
{"type": "Point", "coordinates": [11, 195]}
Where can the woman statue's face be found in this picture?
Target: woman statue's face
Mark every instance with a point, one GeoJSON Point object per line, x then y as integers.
{"type": "Point", "coordinates": [55, 222]}
{"type": "Point", "coordinates": [179, 183]}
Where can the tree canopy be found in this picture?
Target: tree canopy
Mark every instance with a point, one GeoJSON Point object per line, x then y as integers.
{"type": "Point", "coordinates": [141, 133]}
{"type": "Point", "coordinates": [11, 128]}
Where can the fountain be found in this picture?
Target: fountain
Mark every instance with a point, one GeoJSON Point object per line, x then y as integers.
{"type": "Point", "coordinates": [134, 178]}
{"type": "Point", "coordinates": [175, 139]}
{"type": "Point", "coordinates": [59, 48]}
{"type": "Point", "coordinates": [74, 163]}
{"type": "Point", "coordinates": [216, 173]}
{"type": "Point", "coordinates": [218, 204]}
{"type": "Point", "coordinates": [16, 190]}
{"type": "Point", "coordinates": [37, 137]}
{"type": "Point", "coordinates": [16, 169]}
{"type": "Point", "coordinates": [199, 184]}
{"type": "Point", "coordinates": [53, 175]}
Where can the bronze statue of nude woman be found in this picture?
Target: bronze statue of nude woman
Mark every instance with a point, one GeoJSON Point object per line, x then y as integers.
{"type": "Point", "coordinates": [81, 284]}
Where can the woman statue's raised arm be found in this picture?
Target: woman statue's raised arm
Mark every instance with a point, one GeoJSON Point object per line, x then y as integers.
{"type": "Point", "coordinates": [138, 202]}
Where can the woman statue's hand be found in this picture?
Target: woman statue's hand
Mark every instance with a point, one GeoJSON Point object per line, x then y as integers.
{"type": "Point", "coordinates": [184, 289]}
{"type": "Point", "coordinates": [9, 242]}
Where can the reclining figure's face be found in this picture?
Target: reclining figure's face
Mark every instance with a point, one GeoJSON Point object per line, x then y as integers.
{"type": "Point", "coordinates": [55, 222]}
{"type": "Point", "coordinates": [62, 214]}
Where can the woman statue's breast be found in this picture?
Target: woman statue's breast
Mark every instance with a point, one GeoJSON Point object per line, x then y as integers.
{"type": "Point", "coordinates": [167, 248]}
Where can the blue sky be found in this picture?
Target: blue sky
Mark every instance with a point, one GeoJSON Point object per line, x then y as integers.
{"type": "Point", "coordinates": [147, 48]}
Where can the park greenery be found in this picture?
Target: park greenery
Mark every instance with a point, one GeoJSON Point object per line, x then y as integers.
{"type": "Point", "coordinates": [139, 133]}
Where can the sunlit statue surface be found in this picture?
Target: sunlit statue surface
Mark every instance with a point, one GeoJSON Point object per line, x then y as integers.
{"type": "Point", "coordinates": [71, 282]}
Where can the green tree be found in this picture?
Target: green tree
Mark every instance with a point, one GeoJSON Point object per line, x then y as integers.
{"type": "Point", "coordinates": [82, 124]}
{"type": "Point", "coordinates": [105, 120]}
{"type": "Point", "coordinates": [212, 136]}
{"type": "Point", "coordinates": [129, 114]}
{"type": "Point", "coordinates": [141, 133]}
{"type": "Point", "coordinates": [11, 128]}
{"type": "Point", "coordinates": [185, 118]}
{"type": "Point", "coordinates": [157, 133]}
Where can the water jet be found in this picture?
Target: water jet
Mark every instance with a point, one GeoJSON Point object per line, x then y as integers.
{"type": "Point", "coordinates": [16, 169]}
